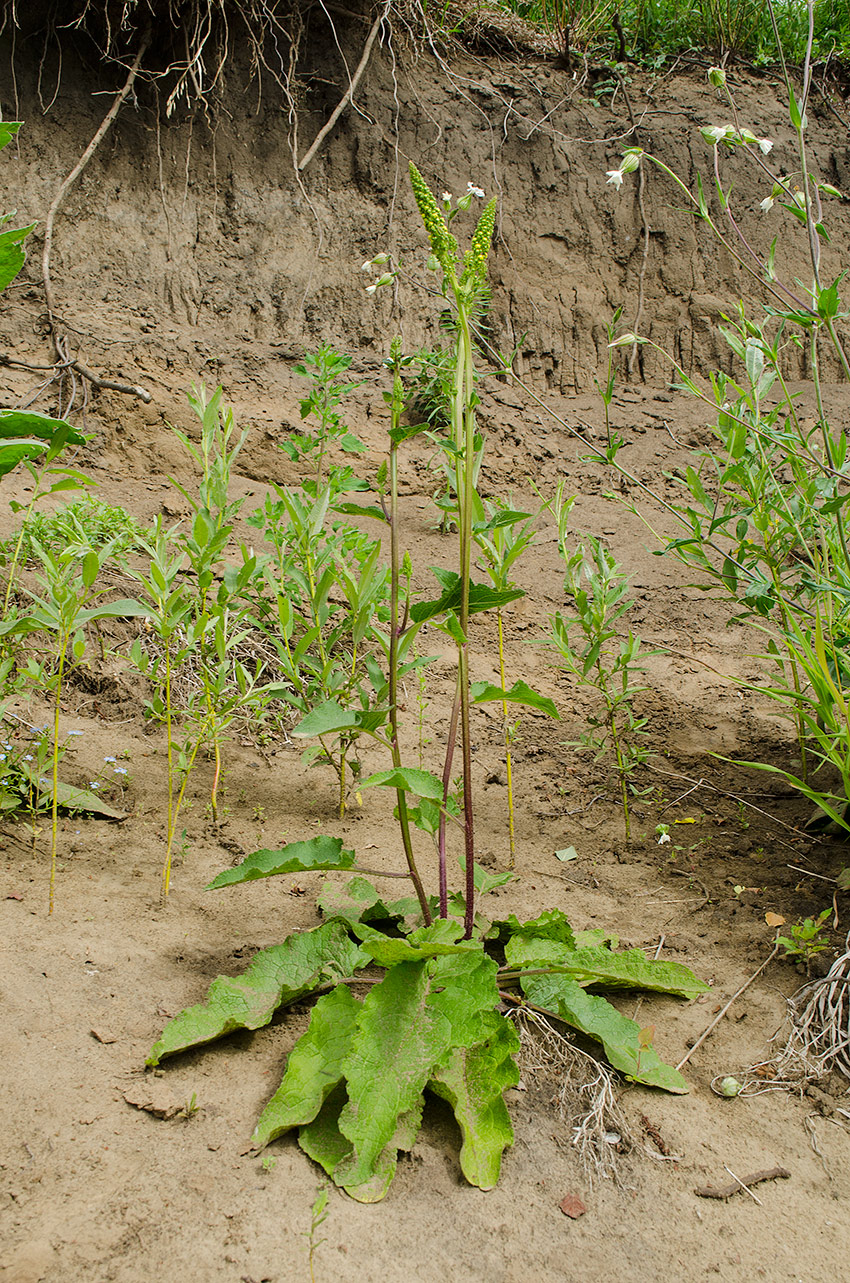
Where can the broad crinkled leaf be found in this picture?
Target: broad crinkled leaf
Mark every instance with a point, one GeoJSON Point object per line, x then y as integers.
{"type": "Point", "coordinates": [601, 967]}
{"type": "Point", "coordinates": [275, 978]}
{"type": "Point", "coordinates": [399, 1041]}
{"type": "Point", "coordinates": [322, 1141]}
{"type": "Point", "coordinates": [594, 1016]}
{"type": "Point", "coordinates": [357, 901]}
{"type": "Point", "coordinates": [314, 1067]}
{"type": "Point", "coordinates": [319, 854]}
{"type": "Point", "coordinates": [442, 937]}
{"type": "Point", "coordinates": [473, 1081]}
{"type": "Point", "coordinates": [465, 991]}
{"type": "Point", "coordinates": [552, 924]}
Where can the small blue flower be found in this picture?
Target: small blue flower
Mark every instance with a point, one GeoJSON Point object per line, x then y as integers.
{"type": "Point", "coordinates": [110, 759]}
{"type": "Point", "coordinates": [94, 784]}
{"type": "Point", "coordinates": [28, 757]}
{"type": "Point", "coordinates": [75, 732]}
{"type": "Point", "coordinates": [121, 770]}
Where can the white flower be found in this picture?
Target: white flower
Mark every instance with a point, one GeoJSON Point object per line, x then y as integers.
{"type": "Point", "coordinates": [765, 145]}
{"type": "Point", "coordinates": [474, 191]}
{"type": "Point", "coordinates": [370, 289]}
{"type": "Point", "coordinates": [615, 177]}
{"type": "Point", "coordinates": [367, 266]}
{"type": "Point", "coordinates": [446, 198]}
{"type": "Point", "coordinates": [767, 204]}
{"type": "Point", "coordinates": [664, 839]}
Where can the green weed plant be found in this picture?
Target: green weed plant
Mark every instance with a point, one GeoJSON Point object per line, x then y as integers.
{"type": "Point", "coordinates": [412, 990]}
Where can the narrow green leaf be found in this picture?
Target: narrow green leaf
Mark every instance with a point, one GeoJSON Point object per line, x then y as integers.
{"type": "Point", "coordinates": [594, 1016]}
{"type": "Point", "coordinates": [275, 978]}
{"type": "Point", "coordinates": [318, 854]}
{"type": "Point", "coordinates": [519, 693]}
{"type": "Point", "coordinates": [399, 1041]}
{"type": "Point", "coordinates": [601, 967]}
{"type": "Point", "coordinates": [411, 780]}
{"type": "Point", "coordinates": [481, 597]}
{"type": "Point", "coordinates": [72, 799]}
{"type": "Point", "coordinates": [472, 1081]}
{"type": "Point", "coordinates": [314, 1067]}
{"type": "Point", "coordinates": [360, 510]}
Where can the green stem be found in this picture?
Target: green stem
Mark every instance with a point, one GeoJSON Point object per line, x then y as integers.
{"type": "Point", "coordinates": [465, 497]}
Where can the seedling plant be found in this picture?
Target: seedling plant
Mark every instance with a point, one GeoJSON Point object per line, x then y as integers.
{"type": "Point", "coordinates": [415, 990]}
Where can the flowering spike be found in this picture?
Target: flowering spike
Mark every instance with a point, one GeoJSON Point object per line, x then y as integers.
{"type": "Point", "coordinates": [475, 262]}
{"type": "Point", "coordinates": [443, 243]}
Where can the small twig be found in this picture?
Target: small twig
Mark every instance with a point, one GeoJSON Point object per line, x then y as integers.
{"type": "Point", "coordinates": [735, 996]}
{"type": "Point", "coordinates": [809, 874]}
{"type": "Point", "coordinates": [726, 1191]}
{"type": "Point", "coordinates": [349, 93]}
{"type": "Point", "coordinates": [743, 1186]}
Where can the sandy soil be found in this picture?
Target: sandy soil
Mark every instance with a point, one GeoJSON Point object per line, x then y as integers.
{"type": "Point", "coordinates": [96, 1189]}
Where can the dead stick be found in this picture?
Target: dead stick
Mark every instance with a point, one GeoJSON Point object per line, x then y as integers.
{"type": "Point", "coordinates": [735, 996]}
{"type": "Point", "coordinates": [726, 1191]}
{"type": "Point", "coordinates": [59, 342]}
{"type": "Point", "coordinates": [349, 93]}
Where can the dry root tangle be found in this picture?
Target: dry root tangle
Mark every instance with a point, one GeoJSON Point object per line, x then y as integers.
{"type": "Point", "coordinates": [585, 1099]}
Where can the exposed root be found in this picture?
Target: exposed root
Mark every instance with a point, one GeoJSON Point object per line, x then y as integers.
{"type": "Point", "coordinates": [586, 1099]}
{"type": "Point", "coordinates": [816, 1033]}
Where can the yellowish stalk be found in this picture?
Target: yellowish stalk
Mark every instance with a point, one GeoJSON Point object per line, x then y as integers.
{"type": "Point", "coordinates": [54, 813]}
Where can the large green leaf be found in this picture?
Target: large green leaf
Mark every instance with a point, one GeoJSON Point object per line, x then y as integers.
{"type": "Point", "coordinates": [422, 783]}
{"type": "Point", "coordinates": [323, 1141]}
{"type": "Point", "coordinates": [552, 924]}
{"type": "Point", "coordinates": [399, 1041]}
{"type": "Point", "coordinates": [473, 1081]}
{"type": "Point", "coordinates": [12, 255]}
{"type": "Point", "coordinates": [601, 967]}
{"type": "Point", "coordinates": [319, 854]}
{"type": "Point", "coordinates": [8, 129]}
{"type": "Point", "coordinates": [440, 939]}
{"type": "Point", "coordinates": [27, 423]}
{"type": "Point", "coordinates": [314, 1067]}
{"type": "Point", "coordinates": [620, 1037]}
{"type": "Point", "coordinates": [359, 902]}
{"type": "Point", "coordinates": [276, 977]}
{"type": "Point", "coordinates": [519, 693]}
